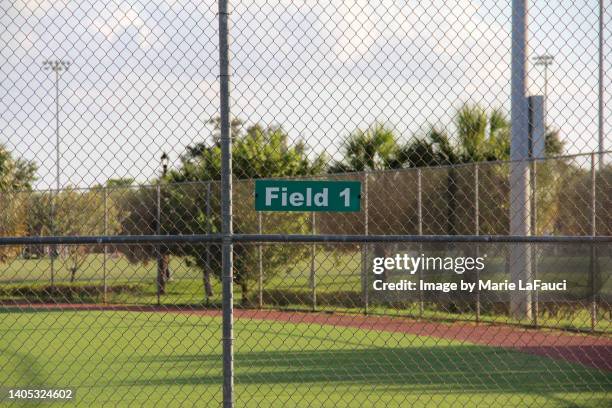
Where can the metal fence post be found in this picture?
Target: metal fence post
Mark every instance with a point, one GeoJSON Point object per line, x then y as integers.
{"type": "Point", "coordinates": [158, 247]}
{"type": "Point", "coordinates": [593, 249]}
{"type": "Point", "coordinates": [600, 91]}
{"type": "Point", "coordinates": [520, 265]}
{"type": "Point", "coordinates": [477, 232]}
{"type": "Point", "coordinates": [364, 247]}
{"type": "Point", "coordinates": [53, 248]}
{"type": "Point", "coordinates": [105, 288]}
{"type": "Point", "coordinates": [260, 262]}
{"type": "Point", "coordinates": [226, 207]}
{"type": "Point", "coordinates": [537, 136]}
{"type": "Point", "coordinates": [534, 231]}
{"type": "Point", "coordinates": [208, 256]}
{"type": "Point", "coordinates": [313, 254]}
{"type": "Point", "coordinates": [420, 232]}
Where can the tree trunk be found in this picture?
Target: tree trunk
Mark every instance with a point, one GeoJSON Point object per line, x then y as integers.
{"type": "Point", "coordinates": [166, 267]}
{"type": "Point", "coordinates": [207, 284]}
{"type": "Point", "coordinates": [162, 273]}
{"type": "Point", "coordinates": [73, 272]}
{"type": "Point", "coordinates": [244, 287]}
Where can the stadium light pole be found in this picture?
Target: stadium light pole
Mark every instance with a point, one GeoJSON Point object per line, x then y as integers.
{"type": "Point", "coordinates": [57, 66]}
{"type": "Point", "coordinates": [545, 61]}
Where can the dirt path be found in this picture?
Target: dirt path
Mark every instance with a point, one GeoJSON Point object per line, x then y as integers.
{"type": "Point", "coordinates": [593, 351]}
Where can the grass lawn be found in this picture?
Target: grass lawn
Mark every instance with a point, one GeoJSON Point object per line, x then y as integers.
{"type": "Point", "coordinates": [155, 359]}
{"type": "Point", "coordinates": [336, 271]}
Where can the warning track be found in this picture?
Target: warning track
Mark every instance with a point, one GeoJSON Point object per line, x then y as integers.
{"type": "Point", "coordinates": [589, 350]}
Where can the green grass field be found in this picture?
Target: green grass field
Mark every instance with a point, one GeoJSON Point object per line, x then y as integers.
{"type": "Point", "coordinates": [336, 271]}
{"type": "Point", "coordinates": [129, 359]}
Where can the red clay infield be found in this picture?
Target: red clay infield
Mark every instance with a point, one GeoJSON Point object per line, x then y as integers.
{"type": "Point", "coordinates": [593, 351]}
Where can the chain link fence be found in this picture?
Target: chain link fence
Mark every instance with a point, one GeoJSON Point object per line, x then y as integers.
{"type": "Point", "coordinates": [135, 270]}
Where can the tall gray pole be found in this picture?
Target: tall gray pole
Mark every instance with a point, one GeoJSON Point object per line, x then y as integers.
{"type": "Point", "coordinates": [57, 175]}
{"type": "Point", "coordinates": [520, 265]}
{"type": "Point", "coordinates": [57, 133]}
{"type": "Point", "coordinates": [601, 87]}
{"type": "Point", "coordinates": [226, 207]}
{"type": "Point", "coordinates": [545, 60]}
{"type": "Point", "coordinates": [56, 66]}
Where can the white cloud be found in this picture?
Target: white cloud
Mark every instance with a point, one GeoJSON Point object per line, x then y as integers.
{"type": "Point", "coordinates": [145, 72]}
{"type": "Point", "coordinates": [112, 25]}
{"type": "Point", "coordinates": [357, 25]}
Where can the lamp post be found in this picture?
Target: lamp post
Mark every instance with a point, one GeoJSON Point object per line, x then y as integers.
{"type": "Point", "coordinates": [163, 269]}
{"type": "Point", "coordinates": [164, 162]}
{"type": "Point", "coordinates": [57, 66]}
{"type": "Point", "coordinates": [545, 61]}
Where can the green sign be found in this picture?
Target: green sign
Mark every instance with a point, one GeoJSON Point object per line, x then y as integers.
{"type": "Point", "coordinates": [307, 195]}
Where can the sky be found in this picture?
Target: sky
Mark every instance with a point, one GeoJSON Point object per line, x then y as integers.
{"type": "Point", "coordinates": [143, 78]}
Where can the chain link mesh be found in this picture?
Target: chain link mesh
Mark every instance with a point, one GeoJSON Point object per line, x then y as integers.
{"type": "Point", "coordinates": [110, 127]}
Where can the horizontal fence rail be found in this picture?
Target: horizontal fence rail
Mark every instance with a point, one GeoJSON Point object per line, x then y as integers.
{"type": "Point", "coordinates": [319, 238]}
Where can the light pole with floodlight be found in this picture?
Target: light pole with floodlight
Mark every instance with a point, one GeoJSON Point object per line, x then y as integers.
{"type": "Point", "coordinates": [57, 66]}
{"type": "Point", "coordinates": [545, 61]}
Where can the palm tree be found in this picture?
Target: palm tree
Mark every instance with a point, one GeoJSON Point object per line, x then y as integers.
{"type": "Point", "coordinates": [480, 137]}
{"type": "Point", "coordinates": [471, 122]}
{"type": "Point", "coordinates": [375, 148]}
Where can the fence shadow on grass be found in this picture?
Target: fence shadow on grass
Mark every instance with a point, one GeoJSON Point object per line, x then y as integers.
{"type": "Point", "coordinates": [460, 369]}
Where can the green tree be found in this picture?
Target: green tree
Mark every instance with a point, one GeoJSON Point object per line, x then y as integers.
{"type": "Point", "coordinates": [481, 136]}
{"type": "Point", "coordinates": [258, 152]}
{"type": "Point", "coordinates": [120, 182]}
{"type": "Point", "coordinates": [15, 174]}
{"type": "Point", "coordinates": [375, 148]}
{"type": "Point", "coordinates": [76, 212]}
{"type": "Point", "coordinates": [16, 178]}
